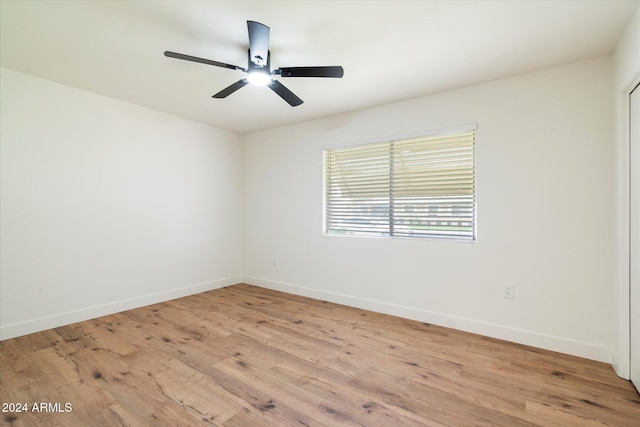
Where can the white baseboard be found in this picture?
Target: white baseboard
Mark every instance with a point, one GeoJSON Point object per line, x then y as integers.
{"type": "Point", "coordinates": [44, 323]}
{"type": "Point", "coordinates": [520, 336]}
{"type": "Point", "coordinates": [549, 342]}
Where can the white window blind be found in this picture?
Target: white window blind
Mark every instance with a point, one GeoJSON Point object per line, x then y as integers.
{"type": "Point", "coordinates": [417, 187]}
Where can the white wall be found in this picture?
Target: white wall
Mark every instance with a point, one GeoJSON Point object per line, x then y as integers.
{"type": "Point", "coordinates": [107, 205]}
{"type": "Point", "coordinates": [627, 75]}
{"type": "Point", "coordinates": [545, 208]}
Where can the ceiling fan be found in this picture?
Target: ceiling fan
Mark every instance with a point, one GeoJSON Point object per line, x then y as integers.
{"type": "Point", "coordinates": [259, 71]}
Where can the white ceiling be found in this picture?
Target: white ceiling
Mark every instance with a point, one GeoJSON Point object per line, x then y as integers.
{"type": "Point", "coordinates": [390, 50]}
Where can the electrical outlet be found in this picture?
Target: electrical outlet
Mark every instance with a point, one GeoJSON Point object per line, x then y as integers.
{"type": "Point", "coordinates": [508, 291]}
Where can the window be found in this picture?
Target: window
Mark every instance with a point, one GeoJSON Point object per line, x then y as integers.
{"type": "Point", "coordinates": [414, 187]}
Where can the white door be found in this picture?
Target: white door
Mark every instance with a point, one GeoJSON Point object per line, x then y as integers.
{"type": "Point", "coordinates": [634, 231]}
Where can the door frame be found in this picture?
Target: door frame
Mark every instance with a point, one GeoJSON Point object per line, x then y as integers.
{"type": "Point", "coordinates": [621, 357]}
{"type": "Point", "coordinates": [634, 88]}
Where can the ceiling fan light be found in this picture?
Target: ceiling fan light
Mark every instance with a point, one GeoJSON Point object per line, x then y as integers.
{"type": "Point", "coordinates": [259, 78]}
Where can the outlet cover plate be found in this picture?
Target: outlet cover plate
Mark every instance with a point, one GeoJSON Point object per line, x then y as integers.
{"type": "Point", "coordinates": [508, 290]}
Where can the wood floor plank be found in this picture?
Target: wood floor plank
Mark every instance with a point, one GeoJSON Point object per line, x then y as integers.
{"type": "Point", "coordinates": [247, 356]}
{"type": "Point", "coordinates": [372, 411]}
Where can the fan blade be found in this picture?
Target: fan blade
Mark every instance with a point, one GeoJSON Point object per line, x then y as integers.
{"type": "Point", "coordinates": [230, 89]}
{"type": "Point", "coordinates": [336, 72]}
{"type": "Point", "coordinates": [201, 60]}
{"type": "Point", "coordinates": [258, 43]}
{"type": "Point", "coordinates": [285, 93]}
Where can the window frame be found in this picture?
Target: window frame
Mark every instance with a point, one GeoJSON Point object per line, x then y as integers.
{"type": "Point", "coordinates": [473, 238]}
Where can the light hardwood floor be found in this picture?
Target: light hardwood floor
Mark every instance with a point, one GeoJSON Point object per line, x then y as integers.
{"type": "Point", "coordinates": [245, 356]}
